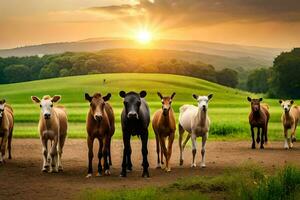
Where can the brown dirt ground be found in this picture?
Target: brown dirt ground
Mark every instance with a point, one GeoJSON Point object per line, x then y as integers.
{"type": "Point", "coordinates": [21, 177]}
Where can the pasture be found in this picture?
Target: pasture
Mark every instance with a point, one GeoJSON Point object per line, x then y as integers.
{"type": "Point", "coordinates": [228, 109]}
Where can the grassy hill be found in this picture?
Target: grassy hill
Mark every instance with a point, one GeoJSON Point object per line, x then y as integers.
{"type": "Point", "coordinates": [228, 109]}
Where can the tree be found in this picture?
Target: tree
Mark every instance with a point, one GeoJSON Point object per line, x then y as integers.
{"type": "Point", "coordinates": [285, 81]}
{"type": "Point", "coordinates": [17, 73]}
{"type": "Point", "coordinates": [227, 77]}
{"type": "Point", "coordinates": [258, 80]}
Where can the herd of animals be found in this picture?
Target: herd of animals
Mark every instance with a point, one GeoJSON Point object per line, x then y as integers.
{"type": "Point", "coordinates": [135, 119]}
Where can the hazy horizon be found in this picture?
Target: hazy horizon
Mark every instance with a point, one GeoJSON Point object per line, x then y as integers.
{"type": "Point", "coordinates": [244, 22]}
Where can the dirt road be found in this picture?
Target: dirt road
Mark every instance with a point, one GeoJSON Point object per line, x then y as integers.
{"type": "Point", "coordinates": [21, 177]}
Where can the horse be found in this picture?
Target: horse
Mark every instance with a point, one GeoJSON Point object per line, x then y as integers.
{"type": "Point", "coordinates": [53, 126]}
{"type": "Point", "coordinates": [194, 120]}
{"type": "Point", "coordinates": [259, 118]}
{"type": "Point", "coordinates": [100, 124]}
{"type": "Point", "coordinates": [6, 128]}
{"type": "Point", "coordinates": [164, 126]}
{"type": "Point", "coordinates": [290, 118]}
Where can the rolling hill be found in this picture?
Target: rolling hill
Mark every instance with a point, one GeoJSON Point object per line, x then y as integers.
{"type": "Point", "coordinates": [213, 53]}
{"type": "Point", "coordinates": [228, 109]}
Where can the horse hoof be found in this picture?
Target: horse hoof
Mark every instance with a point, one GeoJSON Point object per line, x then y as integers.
{"type": "Point", "coordinates": [123, 174]}
{"type": "Point", "coordinates": [88, 176]}
{"type": "Point", "coordinates": [193, 165]}
{"type": "Point", "coordinates": [53, 171]}
{"type": "Point", "coordinates": [168, 169]}
{"type": "Point", "coordinates": [181, 162]}
{"type": "Point", "coordinates": [158, 166]}
{"type": "Point", "coordinates": [294, 139]}
{"type": "Point", "coordinates": [145, 174]}
{"type": "Point", "coordinates": [9, 157]}
{"type": "Point", "coordinates": [203, 166]}
{"type": "Point", "coordinates": [60, 169]}
{"type": "Point", "coordinates": [44, 170]}
{"type": "Point", "coordinates": [107, 172]}
{"type": "Point", "coordinates": [99, 174]}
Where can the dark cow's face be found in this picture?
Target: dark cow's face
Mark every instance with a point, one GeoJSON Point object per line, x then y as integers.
{"type": "Point", "coordinates": [2, 104]}
{"type": "Point", "coordinates": [255, 104]}
{"type": "Point", "coordinates": [166, 103]}
{"type": "Point", "coordinates": [132, 103]}
{"type": "Point", "coordinates": [97, 104]}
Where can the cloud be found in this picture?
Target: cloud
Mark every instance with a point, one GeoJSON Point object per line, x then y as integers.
{"type": "Point", "coordinates": [208, 12]}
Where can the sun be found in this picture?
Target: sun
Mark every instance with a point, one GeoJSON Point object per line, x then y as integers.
{"type": "Point", "coordinates": [144, 36]}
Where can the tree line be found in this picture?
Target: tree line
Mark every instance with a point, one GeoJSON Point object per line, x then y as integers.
{"type": "Point", "coordinates": [281, 80]}
{"type": "Point", "coordinates": [19, 69]}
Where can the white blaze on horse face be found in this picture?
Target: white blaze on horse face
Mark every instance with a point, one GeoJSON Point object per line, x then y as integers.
{"type": "Point", "coordinates": [1, 109]}
{"type": "Point", "coordinates": [203, 102]}
{"type": "Point", "coordinates": [46, 107]}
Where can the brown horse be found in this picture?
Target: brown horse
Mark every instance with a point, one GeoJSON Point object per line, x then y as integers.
{"type": "Point", "coordinates": [6, 129]}
{"type": "Point", "coordinates": [259, 118]}
{"type": "Point", "coordinates": [164, 126]}
{"type": "Point", "coordinates": [100, 124]}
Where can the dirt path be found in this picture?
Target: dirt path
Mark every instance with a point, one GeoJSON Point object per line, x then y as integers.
{"type": "Point", "coordinates": [21, 178]}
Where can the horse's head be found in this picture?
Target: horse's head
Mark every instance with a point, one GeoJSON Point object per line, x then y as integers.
{"type": "Point", "coordinates": [203, 101]}
{"type": "Point", "coordinates": [255, 104]}
{"type": "Point", "coordinates": [2, 104]}
{"type": "Point", "coordinates": [97, 104]}
{"type": "Point", "coordinates": [286, 105]}
{"type": "Point", "coordinates": [166, 102]}
{"type": "Point", "coordinates": [132, 103]}
{"type": "Point", "coordinates": [46, 104]}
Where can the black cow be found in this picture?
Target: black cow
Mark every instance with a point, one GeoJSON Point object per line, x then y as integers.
{"type": "Point", "coordinates": [135, 119]}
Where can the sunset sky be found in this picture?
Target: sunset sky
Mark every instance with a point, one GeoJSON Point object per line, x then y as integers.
{"type": "Point", "coordinates": [272, 23]}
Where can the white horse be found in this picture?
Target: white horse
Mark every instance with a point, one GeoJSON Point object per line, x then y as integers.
{"type": "Point", "coordinates": [196, 122]}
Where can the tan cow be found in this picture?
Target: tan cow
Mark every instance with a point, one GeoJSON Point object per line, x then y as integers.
{"type": "Point", "coordinates": [289, 118]}
{"type": "Point", "coordinates": [6, 129]}
{"type": "Point", "coordinates": [53, 126]}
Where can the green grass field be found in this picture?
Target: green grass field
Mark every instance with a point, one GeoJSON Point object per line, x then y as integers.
{"type": "Point", "coordinates": [228, 109]}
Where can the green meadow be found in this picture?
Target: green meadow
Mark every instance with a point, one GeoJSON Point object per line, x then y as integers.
{"type": "Point", "coordinates": [228, 109]}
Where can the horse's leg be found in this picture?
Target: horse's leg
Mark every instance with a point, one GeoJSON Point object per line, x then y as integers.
{"type": "Point", "coordinates": [266, 133]}
{"type": "Point", "coordinates": [109, 152]}
{"type": "Point", "coordinates": [169, 153]}
{"type": "Point", "coordinates": [253, 141]}
{"type": "Point", "coordinates": [157, 150]}
{"type": "Point", "coordinates": [53, 155]}
{"type": "Point", "coordinates": [293, 130]}
{"type": "Point", "coordinates": [181, 131]}
{"type": "Point", "coordinates": [286, 146]}
{"type": "Point", "coordinates": [100, 155]}
{"type": "Point", "coordinates": [105, 155]}
{"type": "Point", "coordinates": [144, 138]}
{"type": "Point", "coordinates": [60, 147]}
{"type": "Point", "coordinates": [263, 132]}
{"type": "Point", "coordinates": [293, 134]}
{"type": "Point", "coordinates": [204, 138]}
{"type": "Point", "coordinates": [126, 142]}
{"type": "Point", "coordinates": [258, 135]}
{"type": "Point", "coordinates": [163, 150]}
{"type": "Point", "coordinates": [129, 163]}
{"type": "Point", "coordinates": [45, 155]}
{"type": "Point", "coordinates": [194, 143]}
{"type": "Point", "coordinates": [90, 143]}
{"type": "Point", "coordinates": [161, 154]}
{"type": "Point", "coordinates": [3, 146]}
{"type": "Point", "coordinates": [9, 144]}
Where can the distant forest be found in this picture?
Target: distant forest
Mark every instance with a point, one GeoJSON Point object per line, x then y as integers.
{"type": "Point", "coordinates": [19, 69]}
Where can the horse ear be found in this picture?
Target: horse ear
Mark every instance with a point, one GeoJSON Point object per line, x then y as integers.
{"type": "Point", "coordinates": [195, 96]}
{"type": "Point", "coordinates": [88, 97]}
{"type": "Point", "coordinates": [280, 101]}
{"type": "Point", "coordinates": [143, 94]}
{"type": "Point", "coordinates": [249, 99]}
{"type": "Point", "coordinates": [35, 99]}
{"type": "Point", "coordinates": [2, 101]}
{"type": "Point", "coordinates": [122, 94]}
{"type": "Point", "coordinates": [56, 98]}
{"type": "Point", "coordinates": [172, 96]}
{"type": "Point", "coordinates": [160, 95]}
{"type": "Point", "coordinates": [210, 96]}
{"type": "Point", "coordinates": [292, 101]}
{"type": "Point", "coordinates": [260, 99]}
{"type": "Point", "coordinates": [107, 97]}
